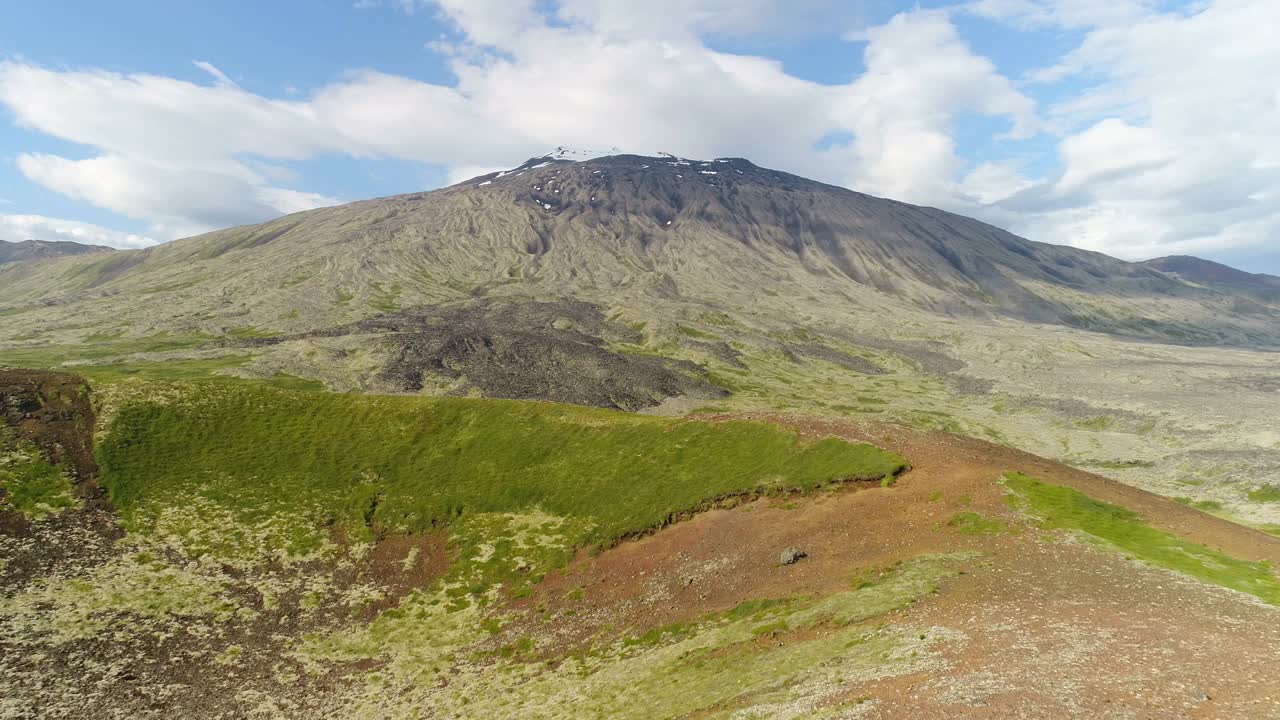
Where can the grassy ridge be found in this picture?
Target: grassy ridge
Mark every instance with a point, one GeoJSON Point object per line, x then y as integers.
{"type": "Point", "coordinates": [1063, 507]}
{"type": "Point", "coordinates": [406, 463]}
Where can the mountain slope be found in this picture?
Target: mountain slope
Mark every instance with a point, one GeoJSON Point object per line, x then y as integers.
{"type": "Point", "coordinates": [11, 252]}
{"type": "Point", "coordinates": [623, 228]}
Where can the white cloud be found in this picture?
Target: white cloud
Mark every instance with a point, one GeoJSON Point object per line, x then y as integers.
{"type": "Point", "coordinates": [214, 71]}
{"type": "Point", "coordinates": [17, 228]}
{"type": "Point", "coordinates": [188, 157]}
{"type": "Point", "coordinates": [176, 200]}
{"type": "Point", "coordinates": [919, 77]}
{"type": "Point", "coordinates": [171, 151]}
{"type": "Point", "coordinates": [992, 182]}
{"type": "Point", "coordinates": [1173, 146]}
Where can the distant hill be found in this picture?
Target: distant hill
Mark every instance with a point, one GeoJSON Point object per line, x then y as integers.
{"type": "Point", "coordinates": [1258, 286]}
{"type": "Point", "coordinates": [39, 249]}
{"type": "Point", "coordinates": [1199, 270]}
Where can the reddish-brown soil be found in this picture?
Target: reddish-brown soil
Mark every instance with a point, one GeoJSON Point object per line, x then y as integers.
{"type": "Point", "coordinates": [1054, 628]}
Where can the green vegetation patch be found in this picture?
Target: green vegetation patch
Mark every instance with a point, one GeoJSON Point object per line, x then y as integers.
{"type": "Point", "coordinates": [1205, 505]}
{"type": "Point", "coordinates": [104, 357]}
{"type": "Point", "coordinates": [1266, 494]}
{"type": "Point", "coordinates": [1097, 424]}
{"type": "Point", "coordinates": [406, 464]}
{"type": "Point", "coordinates": [249, 332]}
{"type": "Point", "coordinates": [386, 299]}
{"type": "Point", "coordinates": [207, 369]}
{"type": "Point", "coordinates": [695, 333]}
{"type": "Point", "coordinates": [162, 369]}
{"type": "Point", "coordinates": [718, 319]}
{"type": "Point", "coordinates": [1065, 508]}
{"type": "Point", "coordinates": [98, 347]}
{"type": "Point", "coordinates": [972, 523]}
{"type": "Point", "coordinates": [170, 287]}
{"type": "Point", "coordinates": [32, 485]}
{"type": "Point", "coordinates": [510, 549]}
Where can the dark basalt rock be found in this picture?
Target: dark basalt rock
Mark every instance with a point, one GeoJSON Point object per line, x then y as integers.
{"type": "Point", "coordinates": [556, 351]}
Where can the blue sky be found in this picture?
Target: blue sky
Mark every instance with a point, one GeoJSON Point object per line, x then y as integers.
{"type": "Point", "coordinates": [130, 123]}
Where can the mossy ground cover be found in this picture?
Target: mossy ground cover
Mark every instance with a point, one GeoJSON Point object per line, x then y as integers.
{"type": "Point", "coordinates": [764, 658]}
{"type": "Point", "coordinates": [108, 359]}
{"type": "Point", "coordinates": [105, 357]}
{"type": "Point", "coordinates": [31, 484]}
{"type": "Point", "coordinates": [972, 523]}
{"type": "Point", "coordinates": [765, 378]}
{"type": "Point", "coordinates": [1061, 507]}
{"type": "Point", "coordinates": [1208, 506]}
{"type": "Point", "coordinates": [406, 464]}
{"type": "Point", "coordinates": [99, 346]}
{"type": "Point", "coordinates": [208, 369]}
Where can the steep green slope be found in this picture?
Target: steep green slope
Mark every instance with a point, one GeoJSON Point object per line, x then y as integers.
{"type": "Point", "coordinates": [1061, 507]}
{"type": "Point", "coordinates": [300, 462]}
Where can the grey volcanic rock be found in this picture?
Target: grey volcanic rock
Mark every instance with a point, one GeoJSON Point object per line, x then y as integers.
{"type": "Point", "coordinates": [791, 556]}
{"type": "Point", "coordinates": [523, 350]}
{"type": "Point", "coordinates": [533, 351]}
{"type": "Point", "coordinates": [843, 359]}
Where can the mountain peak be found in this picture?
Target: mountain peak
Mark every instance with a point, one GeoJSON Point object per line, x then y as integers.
{"type": "Point", "coordinates": [578, 154]}
{"type": "Point", "coordinates": [565, 155]}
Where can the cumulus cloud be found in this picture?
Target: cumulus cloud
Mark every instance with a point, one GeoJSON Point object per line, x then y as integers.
{"type": "Point", "coordinates": [176, 200]}
{"type": "Point", "coordinates": [16, 228]}
{"type": "Point", "coordinates": [1172, 148]}
{"type": "Point", "coordinates": [920, 75]}
{"type": "Point", "coordinates": [1169, 147]}
{"type": "Point", "coordinates": [187, 157]}
{"type": "Point", "coordinates": [172, 152]}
